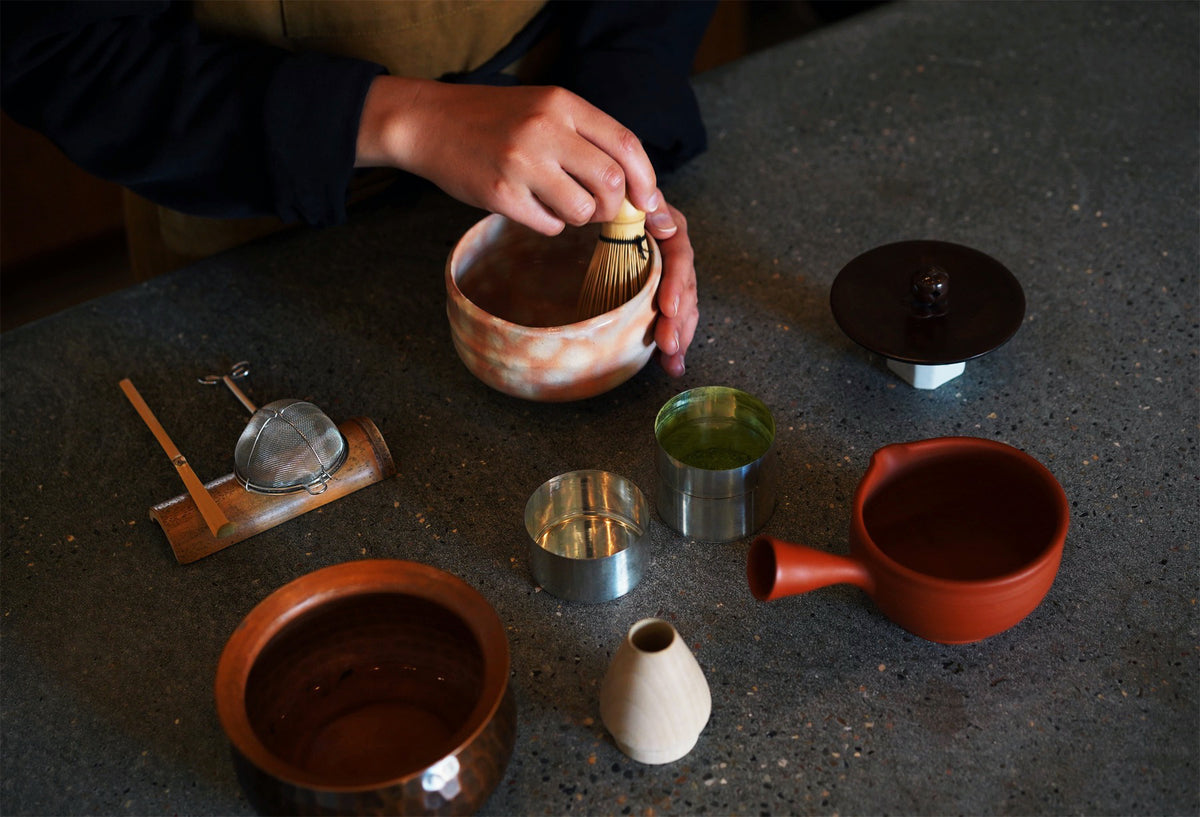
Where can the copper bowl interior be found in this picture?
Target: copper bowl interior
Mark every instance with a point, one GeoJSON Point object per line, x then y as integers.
{"type": "Point", "coordinates": [366, 688]}
{"type": "Point", "coordinates": [362, 675]}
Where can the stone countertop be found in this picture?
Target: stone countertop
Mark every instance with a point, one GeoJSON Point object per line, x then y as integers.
{"type": "Point", "coordinates": [1059, 138]}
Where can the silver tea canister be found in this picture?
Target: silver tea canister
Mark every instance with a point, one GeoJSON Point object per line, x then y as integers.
{"type": "Point", "coordinates": [589, 535]}
{"type": "Point", "coordinates": [716, 463]}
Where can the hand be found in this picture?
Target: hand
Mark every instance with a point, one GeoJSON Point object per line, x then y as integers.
{"type": "Point", "coordinates": [541, 156]}
{"type": "Point", "coordinates": [678, 307]}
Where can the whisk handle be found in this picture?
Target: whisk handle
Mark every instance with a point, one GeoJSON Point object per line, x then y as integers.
{"type": "Point", "coordinates": [629, 214]}
{"type": "Point", "coordinates": [629, 223]}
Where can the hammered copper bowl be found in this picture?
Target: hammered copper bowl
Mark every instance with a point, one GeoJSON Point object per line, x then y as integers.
{"type": "Point", "coordinates": [511, 300]}
{"type": "Point", "coordinates": [370, 687]}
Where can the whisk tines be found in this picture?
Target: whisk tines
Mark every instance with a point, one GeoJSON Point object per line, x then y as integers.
{"type": "Point", "coordinates": [618, 267]}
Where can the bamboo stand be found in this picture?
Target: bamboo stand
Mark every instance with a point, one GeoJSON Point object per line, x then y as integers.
{"type": "Point", "coordinates": [367, 461]}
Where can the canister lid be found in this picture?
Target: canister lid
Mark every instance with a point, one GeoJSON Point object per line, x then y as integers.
{"type": "Point", "coordinates": [927, 302]}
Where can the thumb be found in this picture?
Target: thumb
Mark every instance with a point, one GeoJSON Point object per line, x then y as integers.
{"type": "Point", "coordinates": [661, 223]}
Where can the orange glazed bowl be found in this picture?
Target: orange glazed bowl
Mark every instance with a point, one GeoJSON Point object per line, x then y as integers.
{"type": "Point", "coordinates": [371, 687]}
{"type": "Point", "coordinates": [511, 301]}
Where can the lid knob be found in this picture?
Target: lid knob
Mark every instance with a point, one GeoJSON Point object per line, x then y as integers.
{"type": "Point", "coordinates": [931, 290]}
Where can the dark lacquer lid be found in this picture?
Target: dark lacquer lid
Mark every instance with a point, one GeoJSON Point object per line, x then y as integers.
{"type": "Point", "coordinates": [927, 302]}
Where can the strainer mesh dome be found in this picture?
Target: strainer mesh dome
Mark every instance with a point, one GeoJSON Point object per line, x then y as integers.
{"type": "Point", "coordinates": [289, 445]}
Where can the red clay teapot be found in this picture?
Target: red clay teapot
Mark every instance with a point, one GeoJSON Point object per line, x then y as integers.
{"type": "Point", "coordinates": [954, 538]}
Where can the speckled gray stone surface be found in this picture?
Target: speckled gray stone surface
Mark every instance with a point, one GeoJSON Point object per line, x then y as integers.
{"type": "Point", "coordinates": [1060, 138]}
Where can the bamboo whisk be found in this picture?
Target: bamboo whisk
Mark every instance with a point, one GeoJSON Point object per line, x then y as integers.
{"type": "Point", "coordinates": [618, 267]}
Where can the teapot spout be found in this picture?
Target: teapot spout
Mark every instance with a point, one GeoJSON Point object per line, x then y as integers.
{"type": "Point", "coordinates": [775, 569]}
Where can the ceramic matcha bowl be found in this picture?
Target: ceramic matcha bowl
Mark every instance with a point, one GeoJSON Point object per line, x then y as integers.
{"type": "Point", "coordinates": [511, 300]}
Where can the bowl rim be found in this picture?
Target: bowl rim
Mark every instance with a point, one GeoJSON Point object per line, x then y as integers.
{"type": "Point", "coordinates": [346, 580]}
{"type": "Point", "coordinates": [475, 313]}
{"type": "Point", "coordinates": [637, 516]}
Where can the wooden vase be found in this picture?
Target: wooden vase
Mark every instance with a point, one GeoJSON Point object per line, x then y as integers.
{"type": "Point", "coordinates": [654, 699]}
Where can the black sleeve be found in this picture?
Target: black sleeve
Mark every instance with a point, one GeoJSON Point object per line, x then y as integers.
{"type": "Point", "coordinates": [134, 93]}
{"type": "Point", "coordinates": [633, 60]}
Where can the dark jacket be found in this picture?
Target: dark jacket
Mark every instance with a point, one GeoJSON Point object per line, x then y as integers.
{"type": "Point", "coordinates": [135, 93]}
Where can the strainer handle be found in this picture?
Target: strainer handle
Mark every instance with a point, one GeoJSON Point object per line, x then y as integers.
{"type": "Point", "coordinates": [238, 371]}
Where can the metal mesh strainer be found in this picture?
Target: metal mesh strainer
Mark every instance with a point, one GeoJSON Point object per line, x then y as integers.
{"type": "Point", "coordinates": [288, 445]}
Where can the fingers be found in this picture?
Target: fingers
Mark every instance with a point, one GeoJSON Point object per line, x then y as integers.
{"type": "Point", "coordinates": [580, 183]}
{"type": "Point", "coordinates": [578, 161]}
{"type": "Point", "coordinates": [521, 204]}
{"type": "Point", "coordinates": [639, 182]}
{"type": "Point", "coordinates": [536, 216]}
{"type": "Point", "coordinates": [661, 223]}
{"type": "Point", "coordinates": [589, 163]}
{"type": "Point", "coordinates": [678, 302]}
{"type": "Point", "coordinates": [677, 292]}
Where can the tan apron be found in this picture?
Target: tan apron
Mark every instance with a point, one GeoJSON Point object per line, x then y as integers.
{"type": "Point", "coordinates": [412, 38]}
